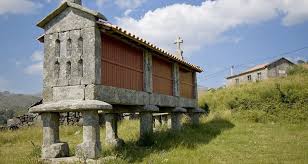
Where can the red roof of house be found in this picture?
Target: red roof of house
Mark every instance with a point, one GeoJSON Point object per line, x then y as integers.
{"type": "Point", "coordinates": [257, 68]}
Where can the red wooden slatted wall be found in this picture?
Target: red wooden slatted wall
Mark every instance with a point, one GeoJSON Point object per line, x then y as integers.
{"type": "Point", "coordinates": [162, 76]}
{"type": "Point", "coordinates": [122, 64]}
{"type": "Point", "coordinates": [186, 84]}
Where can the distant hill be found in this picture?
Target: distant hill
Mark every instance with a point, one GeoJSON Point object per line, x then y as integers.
{"type": "Point", "coordinates": [19, 103]}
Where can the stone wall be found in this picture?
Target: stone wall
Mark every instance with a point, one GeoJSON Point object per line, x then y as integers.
{"type": "Point", "coordinates": [68, 118]}
{"type": "Point", "coordinates": [279, 69]}
{"type": "Point", "coordinates": [21, 121]}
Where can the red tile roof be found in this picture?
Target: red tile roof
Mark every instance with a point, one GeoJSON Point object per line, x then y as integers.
{"type": "Point", "coordinates": [160, 51]}
{"type": "Point", "coordinates": [258, 67]}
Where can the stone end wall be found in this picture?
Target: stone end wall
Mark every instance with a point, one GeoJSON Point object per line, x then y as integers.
{"type": "Point", "coordinates": [72, 60]}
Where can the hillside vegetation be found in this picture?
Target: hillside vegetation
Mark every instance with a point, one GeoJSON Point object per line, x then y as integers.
{"type": "Point", "coordinates": [274, 100]}
{"type": "Point", "coordinates": [14, 105]}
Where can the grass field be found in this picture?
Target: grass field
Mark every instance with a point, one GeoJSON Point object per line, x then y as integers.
{"type": "Point", "coordinates": [219, 139]}
{"type": "Point", "coordinates": [264, 122]}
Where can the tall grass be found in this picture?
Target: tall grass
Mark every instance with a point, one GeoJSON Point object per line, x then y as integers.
{"type": "Point", "coordinates": [217, 140]}
{"type": "Point", "coordinates": [279, 99]}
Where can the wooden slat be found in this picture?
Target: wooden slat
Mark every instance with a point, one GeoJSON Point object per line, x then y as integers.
{"type": "Point", "coordinates": [122, 64]}
{"type": "Point", "coordinates": [186, 83]}
{"type": "Point", "coordinates": [162, 76]}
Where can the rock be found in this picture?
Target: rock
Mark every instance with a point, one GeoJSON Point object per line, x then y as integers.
{"type": "Point", "coordinates": [14, 122]}
{"type": "Point", "coordinates": [55, 150]}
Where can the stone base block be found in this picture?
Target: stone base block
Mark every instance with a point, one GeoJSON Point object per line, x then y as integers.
{"type": "Point", "coordinates": [88, 150]}
{"type": "Point", "coordinates": [56, 150]}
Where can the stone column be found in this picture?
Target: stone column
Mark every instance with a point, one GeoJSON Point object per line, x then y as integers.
{"type": "Point", "coordinates": [176, 79]}
{"type": "Point", "coordinates": [157, 121]}
{"type": "Point", "coordinates": [195, 118]}
{"type": "Point", "coordinates": [111, 126]}
{"type": "Point", "coordinates": [176, 121]}
{"type": "Point", "coordinates": [176, 116]}
{"type": "Point", "coordinates": [164, 120]}
{"type": "Point", "coordinates": [52, 147]}
{"type": "Point", "coordinates": [147, 72]}
{"type": "Point", "coordinates": [146, 123]}
{"type": "Point", "coordinates": [91, 145]}
{"type": "Point", "coordinates": [195, 115]}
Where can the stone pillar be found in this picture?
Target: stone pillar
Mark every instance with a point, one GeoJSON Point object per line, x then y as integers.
{"type": "Point", "coordinates": [147, 75]}
{"type": "Point", "coordinates": [176, 79]}
{"type": "Point", "coordinates": [91, 145]}
{"type": "Point", "coordinates": [195, 93]}
{"type": "Point", "coordinates": [195, 118]}
{"type": "Point", "coordinates": [164, 120]}
{"type": "Point", "coordinates": [157, 121]}
{"type": "Point", "coordinates": [111, 126]}
{"type": "Point", "coordinates": [146, 125]}
{"type": "Point", "coordinates": [52, 147]}
{"type": "Point", "coordinates": [176, 116]}
{"type": "Point", "coordinates": [176, 121]}
{"type": "Point", "coordinates": [195, 115]}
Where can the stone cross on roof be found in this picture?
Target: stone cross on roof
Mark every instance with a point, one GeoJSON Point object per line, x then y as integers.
{"type": "Point", "coordinates": [79, 2]}
{"type": "Point", "coordinates": [179, 51]}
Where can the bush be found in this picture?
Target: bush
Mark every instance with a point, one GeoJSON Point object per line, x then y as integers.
{"type": "Point", "coordinates": [5, 115]}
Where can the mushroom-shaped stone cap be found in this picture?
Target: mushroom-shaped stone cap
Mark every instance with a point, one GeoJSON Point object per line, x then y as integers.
{"type": "Point", "coordinates": [179, 110]}
{"type": "Point", "coordinates": [198, 110]}
{"type": "Point", "coordinates": [71, 106]}
{"type": "Point", "coordinates": [150, 108]}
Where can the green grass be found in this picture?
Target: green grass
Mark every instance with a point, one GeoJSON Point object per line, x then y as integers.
{"type": "Point", "coordinates": [219, 139]}
{"type": "Point", "coordinates": [265, 122]}
{"type": "Point", "coordinates": [273, 100]}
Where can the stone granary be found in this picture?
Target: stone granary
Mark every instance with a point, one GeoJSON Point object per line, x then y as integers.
{"type": "Point", "coordinates": [91, 65]}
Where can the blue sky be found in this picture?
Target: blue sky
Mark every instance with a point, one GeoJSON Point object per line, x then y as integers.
{"type": "Point", "coordinates": [217, 34]}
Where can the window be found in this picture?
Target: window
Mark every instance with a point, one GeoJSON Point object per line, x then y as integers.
{"type": "Point", "coordinates": [237, 81]}
{"type": "Point", "coordinates": [57, 48]}
{"type": "Point", "coordinates": [249, 77]}
{"type": "Point", "coordinates": [259, 76]}
{"type": "Point", "coordinates": [281, 71]}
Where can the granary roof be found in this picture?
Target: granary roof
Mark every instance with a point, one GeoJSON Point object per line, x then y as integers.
{"type": "Point", "coordinates": [62, 7]}
{"type": "Point", "coordinates": [108, 26]}
{"type": "Point", "coordinates": [257, 68]}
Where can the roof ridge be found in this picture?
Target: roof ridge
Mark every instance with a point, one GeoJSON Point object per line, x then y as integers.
{"type": "Point", "coordinates": [62, 7]}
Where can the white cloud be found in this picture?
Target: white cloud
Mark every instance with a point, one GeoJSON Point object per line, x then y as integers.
{"type": "Point", "coordinates": [36, 68]}
{"type": "Point", "coordinates": [296, 11]}
{"type": "Point", "coordinates": [204, 24]}
{"type": "Point", "coordinates": [127, 5]}
{"type": "Point", "coordinates": [37, 56]}
{"type": "Point", "coordinates": [18, 6]}
{"type": "Point", "coordinates": [100, 2]}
